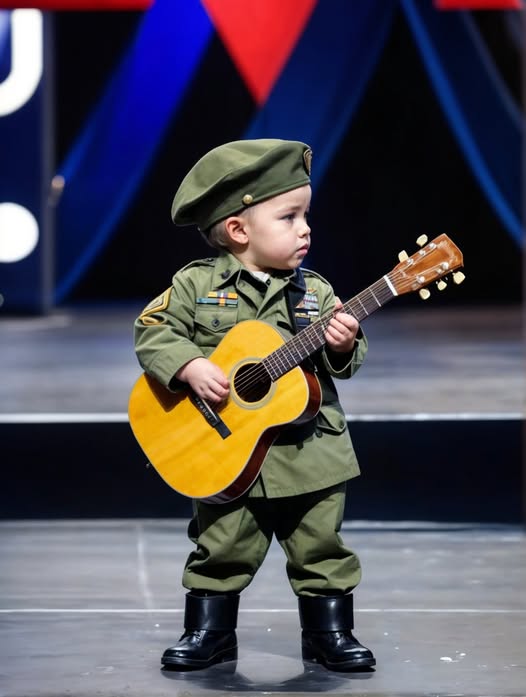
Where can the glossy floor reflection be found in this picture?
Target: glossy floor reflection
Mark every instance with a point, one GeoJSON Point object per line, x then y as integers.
{"type": "Point", "coordinates": [275, 674]}
{"type": "Point", "coordinates": [87, 608]}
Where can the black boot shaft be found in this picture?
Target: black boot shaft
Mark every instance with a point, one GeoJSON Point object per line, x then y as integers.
{"type": "Point", "coordinates": [326, 613]}
{"type": "Point", "coordinates": [214, 612]}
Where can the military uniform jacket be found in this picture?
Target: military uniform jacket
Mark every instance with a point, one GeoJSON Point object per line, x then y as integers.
{"type": "Point", "coordinates": [206, 299]}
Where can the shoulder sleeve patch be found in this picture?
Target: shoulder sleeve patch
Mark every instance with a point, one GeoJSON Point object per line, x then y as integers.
{"type": "Point", "coordinates": [156, 305]}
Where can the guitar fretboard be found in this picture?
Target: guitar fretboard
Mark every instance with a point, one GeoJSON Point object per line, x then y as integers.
{"type": "Point", "coordinates": [309, 340]}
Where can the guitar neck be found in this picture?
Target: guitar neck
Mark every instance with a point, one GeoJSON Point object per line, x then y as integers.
{"type": "Point", "coordinates": [309, 340]}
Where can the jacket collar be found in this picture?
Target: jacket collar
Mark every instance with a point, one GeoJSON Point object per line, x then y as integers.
{"type": "Point", "coordinates": [227, 266]}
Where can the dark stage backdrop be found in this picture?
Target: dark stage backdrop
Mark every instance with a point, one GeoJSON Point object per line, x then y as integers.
{"type": "Point", "coordinates": [397, 174]}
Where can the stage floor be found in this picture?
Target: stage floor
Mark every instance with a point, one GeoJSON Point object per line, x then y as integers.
{"type": "Point", "coordinates": [87, 608]}
{"type": "Point", "coordinates": [422, 362]}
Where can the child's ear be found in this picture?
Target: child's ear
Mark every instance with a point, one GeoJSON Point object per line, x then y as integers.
{"type": "Point", "coordinates": [235, 229]}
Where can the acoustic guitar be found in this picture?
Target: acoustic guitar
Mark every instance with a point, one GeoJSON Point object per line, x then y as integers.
{"type": "Point", "coordinates": [216, 453]}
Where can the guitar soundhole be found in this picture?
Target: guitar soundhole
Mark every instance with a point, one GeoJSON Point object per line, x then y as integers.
{"type": "Point", "coordinates": [252, 382]}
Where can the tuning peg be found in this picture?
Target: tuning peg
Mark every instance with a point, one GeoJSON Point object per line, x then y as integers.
{"type": "Point", "coordinates": [458, 277]}
{"type": "Point", "coordinates": [424, 293]}
{"type": "Point", "coordinates": [441, 285]}
{"type": "Point", "coordinates": [403, 256]}
{"type": "Point", "coordinates": [422, 240]}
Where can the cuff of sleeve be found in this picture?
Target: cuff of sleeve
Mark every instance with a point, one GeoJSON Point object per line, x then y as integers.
{"type": "Point", "coordinates": [354, 358]}
{"type": "Point", "coordinates": [342, 367]}
{"type": "Point", "coordinates": [167, 365]}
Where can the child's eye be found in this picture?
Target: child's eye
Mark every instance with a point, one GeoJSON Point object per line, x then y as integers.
{"type": "Point", "coordinates": [289, 216]}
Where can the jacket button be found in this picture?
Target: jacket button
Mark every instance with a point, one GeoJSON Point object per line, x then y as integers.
{"type": "Point", "coordinates": [215, 322]}
{"type": "Point", "coordinates": [225, 274]}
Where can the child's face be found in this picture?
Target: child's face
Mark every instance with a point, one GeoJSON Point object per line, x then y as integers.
{"type": "Point", "coordinates": [277, 231]}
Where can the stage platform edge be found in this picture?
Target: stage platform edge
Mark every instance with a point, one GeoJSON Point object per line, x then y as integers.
{"type": "Point", "coordinates": [414, 468]}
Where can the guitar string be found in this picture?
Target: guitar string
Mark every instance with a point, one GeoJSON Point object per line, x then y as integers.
{"type": "Point", "coordinates": [258, 375]}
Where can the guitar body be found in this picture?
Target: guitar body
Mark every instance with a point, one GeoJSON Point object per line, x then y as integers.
{"type": "Point", "coordinates": [219, 463]}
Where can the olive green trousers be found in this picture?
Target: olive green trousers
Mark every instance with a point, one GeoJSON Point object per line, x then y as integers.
{"type": "Point", "coordinates": [233, 539]}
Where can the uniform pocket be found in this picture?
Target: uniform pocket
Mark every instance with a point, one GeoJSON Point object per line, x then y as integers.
{"type": "Point", "coordinates": [212, 323]}
{"type": "Point", "coordinates": [331, 420]}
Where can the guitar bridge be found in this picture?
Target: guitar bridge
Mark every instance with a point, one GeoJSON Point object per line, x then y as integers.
{"type": "Point", "coordinates": [211, 416]}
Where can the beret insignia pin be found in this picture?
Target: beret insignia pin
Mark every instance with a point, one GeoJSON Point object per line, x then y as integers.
{"type": "Point", "coordinates": [307, 159]}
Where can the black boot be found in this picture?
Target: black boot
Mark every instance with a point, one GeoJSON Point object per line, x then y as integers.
{"type": "Point", "coordinates": [209, 637]}
{"type": "Point", "coordinates": [326, 636]}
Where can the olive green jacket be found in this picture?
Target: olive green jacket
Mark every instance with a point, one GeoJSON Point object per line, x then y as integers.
{"type": "Point", "coordinates": [190, 318]}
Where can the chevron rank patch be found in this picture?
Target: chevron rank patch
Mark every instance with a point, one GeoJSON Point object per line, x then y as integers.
{"type": "Point", "coordinates": [156, 305]}
{"type": "Point", "coordinates": [215, 298]}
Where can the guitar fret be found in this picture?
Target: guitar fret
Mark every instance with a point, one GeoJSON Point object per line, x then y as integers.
{"type": "Point", "coordinates": [315, 344]}
{"type": "Point", "coordinates": [291, 359]}
{"type": "Point", "coordinates": [374, 296]}
{"type": "Point", "coordinates": [281, 361]}
{"type": "Point", "coordinates": [363, 306]}
{"type": "Point", "coordinates": [270, 367]}
{"type": "Point", "coordinates": [300, 348]}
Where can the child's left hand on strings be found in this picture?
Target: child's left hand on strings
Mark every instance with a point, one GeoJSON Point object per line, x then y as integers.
{"type": "Point", "coordinates": [341, 331]}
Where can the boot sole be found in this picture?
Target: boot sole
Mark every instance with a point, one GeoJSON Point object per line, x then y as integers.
{"type": "Point", "coordinates": [342, 666]}
{"type": "Point", "coordinates": [180, 662]}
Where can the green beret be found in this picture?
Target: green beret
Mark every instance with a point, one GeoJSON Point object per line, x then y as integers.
{"type": "Point", "coordinates": [236, 175]}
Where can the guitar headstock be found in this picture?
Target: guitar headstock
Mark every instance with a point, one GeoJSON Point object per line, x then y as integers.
{"type": "Point", "coordinates": [432, 262]}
